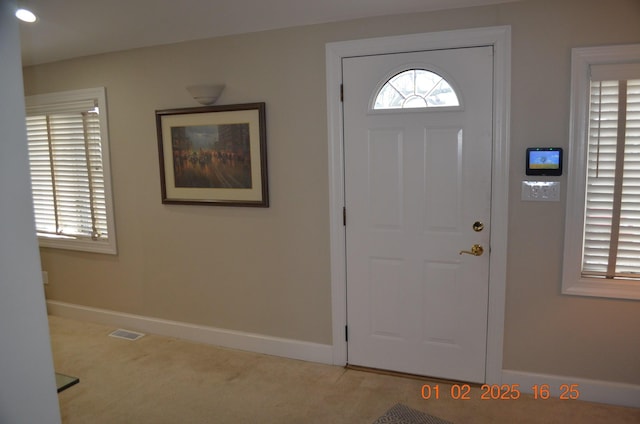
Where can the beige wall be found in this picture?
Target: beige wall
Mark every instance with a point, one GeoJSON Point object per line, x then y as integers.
{"type": "Point", "coordinates": [267, 270]}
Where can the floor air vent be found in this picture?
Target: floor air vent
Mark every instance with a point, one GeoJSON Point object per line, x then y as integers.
{"type": "Point", "coordinates": [126, 334]}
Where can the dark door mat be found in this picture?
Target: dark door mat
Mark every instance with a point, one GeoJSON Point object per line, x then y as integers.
{"type": "Point", "coordinates": [402, 414]}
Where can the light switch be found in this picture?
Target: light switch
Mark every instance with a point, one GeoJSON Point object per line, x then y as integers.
{"type": "Point", "coordinates": [541, 191]}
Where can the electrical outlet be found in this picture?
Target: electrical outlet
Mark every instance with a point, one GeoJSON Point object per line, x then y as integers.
{"type": "Point", "coordinates": [541, 191]}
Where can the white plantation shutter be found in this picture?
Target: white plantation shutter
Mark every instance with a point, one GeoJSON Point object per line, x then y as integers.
{"type": "Point", "coordinates": [67, 154]}
{"type": "Point", "coordinates": [612, 211]}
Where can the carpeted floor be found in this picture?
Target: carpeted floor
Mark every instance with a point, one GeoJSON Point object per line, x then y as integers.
{"type": "Point", "coordinates": [164, 380]}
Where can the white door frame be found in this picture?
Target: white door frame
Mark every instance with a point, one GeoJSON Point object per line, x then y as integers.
{"type": "Point", "coordinates": [500, 39]}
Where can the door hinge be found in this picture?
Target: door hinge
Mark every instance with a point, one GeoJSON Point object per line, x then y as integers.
{"type": "Point", "coordinates": [344, 216]}
{"type": "Point", "coordinates": [346, 333]}
{"type": "Point", "coordinates": [341, 92]}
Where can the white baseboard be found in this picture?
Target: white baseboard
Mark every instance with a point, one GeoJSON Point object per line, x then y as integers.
{"type": "Point", "coordinates": [590, 390]}
{"type": "Point", "coordinates": [288, 348]}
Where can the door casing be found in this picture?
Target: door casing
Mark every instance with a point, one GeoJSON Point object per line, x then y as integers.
{"type": "Point", "coordinates": [500, 39]}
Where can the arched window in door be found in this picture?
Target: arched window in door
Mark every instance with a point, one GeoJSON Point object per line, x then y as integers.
{"type": "Point", "coordinates": [415, 88]}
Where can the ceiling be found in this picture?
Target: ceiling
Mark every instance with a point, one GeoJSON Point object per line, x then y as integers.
{"type": "Point", "coordinates": [73, 28]}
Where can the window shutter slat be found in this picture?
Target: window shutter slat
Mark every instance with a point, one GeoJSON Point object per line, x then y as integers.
{"type": "Point", "coordinates": [66, 169]}
{"type": "Point", "coordinates": [601, 181]}
{"type": "Point", "coordinates": [77, 106]}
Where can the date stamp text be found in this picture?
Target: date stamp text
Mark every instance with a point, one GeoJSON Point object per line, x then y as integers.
{"type": "Point", "coordinates": [498, 392]}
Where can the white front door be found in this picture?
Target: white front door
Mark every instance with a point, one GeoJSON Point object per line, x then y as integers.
{"type": "Point", "coordinates": [417, 194]}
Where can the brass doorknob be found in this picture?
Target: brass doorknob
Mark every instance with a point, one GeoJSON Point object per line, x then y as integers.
{"type": "Point", "coordinates": [476, 250]}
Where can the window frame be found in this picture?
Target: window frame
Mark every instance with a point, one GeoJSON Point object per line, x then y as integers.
{"type": "Point", "coordinates": [108, 246]}
{"type": "Point", "coordinates": [573, 283]}
{"type": "Point", "coordinates": [431, 109]}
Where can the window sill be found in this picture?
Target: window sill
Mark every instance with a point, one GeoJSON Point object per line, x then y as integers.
{"type": "Point", "coordinates": [105, 247]}
{"type": "Point", "coordinates": [596, 287]}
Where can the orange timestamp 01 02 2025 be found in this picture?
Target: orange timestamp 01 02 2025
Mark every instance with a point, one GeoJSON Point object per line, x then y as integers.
{"type": "Point", "coordinates": [497, 392]}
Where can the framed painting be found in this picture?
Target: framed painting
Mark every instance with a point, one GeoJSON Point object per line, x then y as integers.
{"type": "Point", "coordinates": [214, 155]}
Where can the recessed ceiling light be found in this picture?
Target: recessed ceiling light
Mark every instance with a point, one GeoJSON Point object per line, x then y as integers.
{"type": "Point", "coordinates": [26, 15]}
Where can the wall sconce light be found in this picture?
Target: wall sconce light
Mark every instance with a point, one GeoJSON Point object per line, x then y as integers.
{"type": "Point", "coordinates": [205, 94]}
{"type": "Point", "coordinates": [25, 15]}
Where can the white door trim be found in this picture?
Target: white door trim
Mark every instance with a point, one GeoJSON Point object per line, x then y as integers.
{"type": "Point", "coordinates": [500, 38]}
